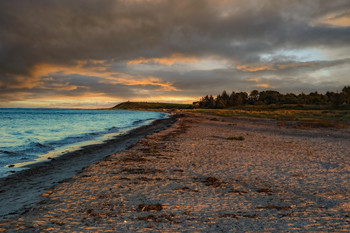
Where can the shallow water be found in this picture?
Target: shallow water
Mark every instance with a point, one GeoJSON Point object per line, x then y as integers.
{"type": "Point", "coordinates": [26, 135]}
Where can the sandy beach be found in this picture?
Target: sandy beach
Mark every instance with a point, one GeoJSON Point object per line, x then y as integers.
{"type": "Point", "coordinates": [202, 174]}
{"type": "Point", "coordinates": [23, 189]}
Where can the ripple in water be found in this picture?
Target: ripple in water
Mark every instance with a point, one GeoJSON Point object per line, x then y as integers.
{"type": "Point", "coordinates": [28, 134]}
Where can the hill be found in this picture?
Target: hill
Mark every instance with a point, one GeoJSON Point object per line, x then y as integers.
{"type": "Point", "coordinates": [146, 105]}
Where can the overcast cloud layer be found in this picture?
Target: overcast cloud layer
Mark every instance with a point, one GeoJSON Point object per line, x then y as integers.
{"type": "Point", "coordinates": [99, 52]}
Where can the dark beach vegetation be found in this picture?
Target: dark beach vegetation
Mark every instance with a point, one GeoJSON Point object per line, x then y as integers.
{"type": "Point", "coordinates": [240, 138]}
{"type": "Point", "coordinates": [308, 110]}
{"type": "Point", "coordinates": [308, 117]}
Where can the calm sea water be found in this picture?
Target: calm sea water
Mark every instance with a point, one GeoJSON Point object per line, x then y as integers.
{"type": "Point", "coordinates": [30, 135]}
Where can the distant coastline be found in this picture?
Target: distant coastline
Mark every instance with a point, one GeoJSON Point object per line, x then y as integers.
{"type": "Point", "coordinates": [300, 115]}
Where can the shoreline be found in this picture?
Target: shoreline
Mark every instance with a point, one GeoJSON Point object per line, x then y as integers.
{"type": "Point", "coordinates": [26, 147]}
{"type": "Point", "coordinates": [198, 176]}
{"type": "Point", "coordinates": [23, 188]}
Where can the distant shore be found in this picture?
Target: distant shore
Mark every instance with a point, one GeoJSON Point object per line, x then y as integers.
{"type": "Point", "coordinates": [206, 174]}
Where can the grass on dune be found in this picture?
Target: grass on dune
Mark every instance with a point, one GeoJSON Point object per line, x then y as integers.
{"type": "Point", "coordinates": [304, 115]}
{"type": "Point", "coordinates": [322, 118]}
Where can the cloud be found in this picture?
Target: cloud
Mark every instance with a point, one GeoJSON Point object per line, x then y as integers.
{"type": "Point", "coordinates": [336, 19]}
{"type": "Point", "coordinates": [259, 83]}
{"type": "Point", "coordinates": [315, 65]}
{"type": "Point", "coordinates": [42, 73]}
{"type": "Point", "coordinates": [126, 48]}
{"type": "Point", "coordinates": [271, 67]}
{"type": "Point", "coordinates": [254, 68]}
{"type": "Point", "coordinates": [174, 58]}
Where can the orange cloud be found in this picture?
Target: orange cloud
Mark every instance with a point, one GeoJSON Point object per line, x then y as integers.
{"type": "Point", "coordinates": [40, 72]}
{"type": "Point", "coordinates": [252, 68]}
{"type": "Point", "coordinates": [44, 69]}
{"type": "Point", "coordinates": [272, 67]}
{"type": "Point", "coordinates": [61, 86]}
{"type": "Point", "coordinates": [265, 85]}
{"type": "Point", "coordinates": [8, 97]}
{"type": "Point", "coordinates": [336, 19]}
{"type": "Point", "coordinates": [254, 80]}
{"type": "Point", "coordinates": [259, 83]}
{"type": "Point", "coordinates": [143, 81]}
{"type": "Point", "coordinates": [169, 61]}
{"type": "Point", "coordinates": [21, 81]}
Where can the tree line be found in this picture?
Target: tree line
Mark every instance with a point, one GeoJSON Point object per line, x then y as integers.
{"type": "Point", "coordinates": [269, 97]}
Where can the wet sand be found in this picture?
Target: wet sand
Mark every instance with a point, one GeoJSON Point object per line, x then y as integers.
{"type": "Point", "coordinates": [197, 177]}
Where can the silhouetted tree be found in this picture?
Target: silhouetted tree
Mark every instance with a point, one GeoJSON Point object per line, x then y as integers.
{"type": "Point", "coordinates": [212, 103]}
{"type": "Point", "coordinates": [274, 97]}
{"type": "Point", "coordinates": [269, 97]}
{"type": "Point", "coordinates": [337, 99]}
{"type": "Point", "coordinates": [289, 98]}
{"type": "Point", "coordinates": [244, 97]}
{"type": "Point", "coordinates": [225, 97]}
{"type": "Point", "coordinates": [346, 92]}
{"type": "Point", "coordinates": [204, 102]}
{"type": "Point", "coordinates": [220, 102]}
{"type": "Point", "coordinates": [231, 100]}
{"type": "Point", "coordinates": [253, 97]}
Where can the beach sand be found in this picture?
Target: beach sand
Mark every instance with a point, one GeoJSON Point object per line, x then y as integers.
{"type": "Point", "coordinates": [21, 191]}
{"type": "Point", "coordinates": [196, 177]}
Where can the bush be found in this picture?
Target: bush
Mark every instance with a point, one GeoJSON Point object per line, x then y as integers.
{"type": "Point", "coordinates": [240, 138]}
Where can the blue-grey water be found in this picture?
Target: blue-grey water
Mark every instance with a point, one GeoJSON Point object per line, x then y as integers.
{"type": "Point", "coordinates": [31, 135]}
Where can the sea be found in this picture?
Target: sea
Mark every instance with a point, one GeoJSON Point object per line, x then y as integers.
{"type": "Point", "coordinates": [30, 136]}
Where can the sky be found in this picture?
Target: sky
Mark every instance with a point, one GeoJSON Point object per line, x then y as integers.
{"type": "Point", "coordinates": [97, 53]}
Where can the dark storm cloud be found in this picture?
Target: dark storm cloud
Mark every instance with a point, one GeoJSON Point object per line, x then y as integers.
{"type": "Point", "coordinates": [62, 32]}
